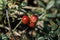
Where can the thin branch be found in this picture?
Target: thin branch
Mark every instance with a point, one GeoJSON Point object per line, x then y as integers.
{"type": "Point", "coordinates": [17, 26]}
{"type": "Point", "coordinates": [7, 28]}
{"type": "Point", "coordinates": [9, 24]}
{"type": "Point", "coordinates": [33, 8]}
{"type": "Point", "coordinates": [7, 16]}
{"type": "Point", "coordinates": [29, 7]}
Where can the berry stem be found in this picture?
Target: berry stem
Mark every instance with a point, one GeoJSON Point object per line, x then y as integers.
{"type": "Point", "coordinates": [29, 14]}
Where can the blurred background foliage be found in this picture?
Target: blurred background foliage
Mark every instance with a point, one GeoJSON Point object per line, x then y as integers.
{"type": "Point", "coordinates": [47, 27]}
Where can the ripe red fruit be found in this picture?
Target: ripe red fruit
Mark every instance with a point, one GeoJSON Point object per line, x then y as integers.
{"type": "Point", "coordinates": [32, 25]}
{"type": "Point", "coordinates": [25, 19]}
{"type": "Point", "coordinates": [34, 18]}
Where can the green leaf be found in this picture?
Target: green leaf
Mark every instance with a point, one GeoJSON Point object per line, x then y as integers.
{"type": "Point", "coordinates": [37, 36]}
{"type": "Point", "coordinates": [40, 38]}
{"type": "Point", "coordinates": [5, 2]}
{"type": "Point", "coordinates": [54, 27]}
{"type": "Point", "coordinates": [50, 4]}
{"type": "Point", "coordinates": [50, 15]}
{"type": "Point", "coordinates": [58, 15]}
{"type": "Point", "coordinates": [40, 3]}
{"type": "Point", "coordinates": [58, 1]}
{"type": "Point", "coordinates": [58, 21]}
{"type": "Point", "coordinates": [52, 34]}
{"type": "Point", "coordinates": [11, 10]}
{"type": "Point", "coordinates": [46, 19]}
{"type": "Point", "coordinates": [38, 11]}
{"type": "Point", "coordinates": [4, 37]}
{"type": "Point", "coordinates": [58, 4]}
{"type": "Point", "coordinates": [57, 31]}
{"type": "Point", "coordinates": [1, 2]}
{"type": "Point", "coordinates": [46, 36]}
{"type": "Point", "coordinates": [23, 4]}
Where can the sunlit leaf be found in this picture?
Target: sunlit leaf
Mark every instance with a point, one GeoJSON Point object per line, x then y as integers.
{"type": "Point", "coordinates": [50, 15]}
{"type": "Point", "coordinates": [40, 38]}
{"type": "Point", "coordinates": [41, 3]}
{"type": "Point", "coordinates": [23, 4]}
{"type": "Point", "coordinates": [38, 11]}
{"type": "Point", "coordinates": [50, 4]}
{"type": "Point", "coordinates": [4, 37]}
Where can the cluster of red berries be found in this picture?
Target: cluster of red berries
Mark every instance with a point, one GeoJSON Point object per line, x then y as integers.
{"type": "Point", "coordinates": [30, 21]}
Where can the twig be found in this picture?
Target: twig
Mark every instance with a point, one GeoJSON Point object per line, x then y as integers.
{"type": "Point", "coordinates": [9, 21]}
{"type": "Point", "coordinates": [29, 7]}
{"type": "Point", "coordinates": [9, 24]}
{"type": "Point", "coordinates": [33, 8]}
{"type": "Point", "coordinates": [7, 28]}
{"type": "Point", "coordinates": [17, 26]}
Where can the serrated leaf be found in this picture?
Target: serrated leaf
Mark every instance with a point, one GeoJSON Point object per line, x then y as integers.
{"type": "Point", "coordinates": [50, 4]}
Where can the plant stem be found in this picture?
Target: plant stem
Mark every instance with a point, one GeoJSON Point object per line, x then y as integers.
{"type": "Point", "coordinates": [17, 26]}
{"type": "Point", "coordinates": [9, 24]}
{"type": "Point", "coordinates": [9, 21]}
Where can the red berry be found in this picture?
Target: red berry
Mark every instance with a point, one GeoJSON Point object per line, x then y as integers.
{"type": "Point", "coordinates": [25, 19]}
{"type": "Point", "coordinates": [32, 25]}
{"type": "Point", "coordinates": [34, 18]}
